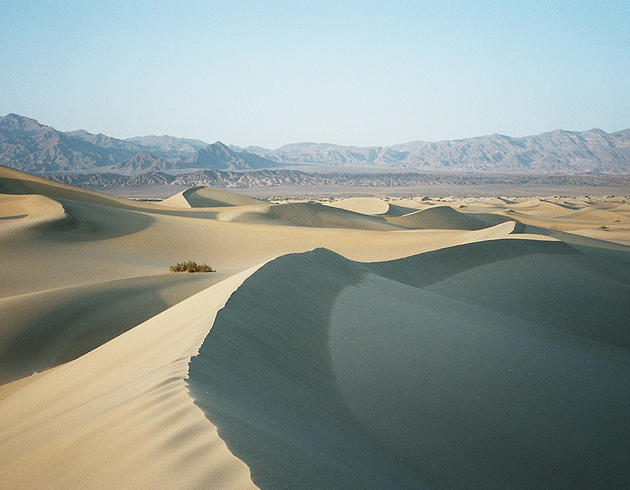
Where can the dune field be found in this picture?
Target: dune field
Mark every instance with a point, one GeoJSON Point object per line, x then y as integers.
{"type": "Point", "coordinates": [432, 342]}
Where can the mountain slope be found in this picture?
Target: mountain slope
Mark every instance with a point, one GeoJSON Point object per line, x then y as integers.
{"type": "Point", "coordinates": [30, 146]}
{"type": "Point", "coordinates": [168, 147]}
{"type": "Point", "coordinates": [218, 156]}
{"type": "Point", "coordinates": [143, 162]}
{"type": "Point", "coordinates": [556, 151]}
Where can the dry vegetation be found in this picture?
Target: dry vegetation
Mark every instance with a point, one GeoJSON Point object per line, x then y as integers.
{"type": "Point", "coordinates": [191, 266]}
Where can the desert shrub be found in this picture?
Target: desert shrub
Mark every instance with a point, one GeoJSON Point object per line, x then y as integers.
{"type": "Point", "coordinates": [191, 266]}
{"type": "Point", "coordinates": [604, 227]}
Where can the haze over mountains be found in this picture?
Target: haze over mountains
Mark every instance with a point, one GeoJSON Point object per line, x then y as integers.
{"type": "Point", "coordinates": [27, 145]}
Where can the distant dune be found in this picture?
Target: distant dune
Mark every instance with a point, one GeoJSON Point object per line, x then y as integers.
{"type": "Point", "coordinates": [360, 343]}
{"type": "Point", "coordinates": [314, 214]}
{"type": "Point", "coordinates": [439, 217]}
{"type": "Point", "coordinates": [363, 205]}
{"type": "Point", "coordinates": [204, 197]}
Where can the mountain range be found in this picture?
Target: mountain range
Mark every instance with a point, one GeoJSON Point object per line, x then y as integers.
{"type": "Point", "coordinates": [27, 145]}
{"type": "Point", "coordinates": [556, 151]}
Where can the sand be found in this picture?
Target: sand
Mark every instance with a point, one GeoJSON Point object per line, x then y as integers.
{"type": "Point", "coordinates": [120, 416]}
{"type": "Point", "coordinates": [362, 343]}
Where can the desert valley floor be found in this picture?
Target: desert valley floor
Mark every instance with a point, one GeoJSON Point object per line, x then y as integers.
{"type": "Point", "coordinates": [356, 343]}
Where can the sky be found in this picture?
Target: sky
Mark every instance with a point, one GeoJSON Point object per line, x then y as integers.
{"type": "Point", "coordinates": [347, 72]}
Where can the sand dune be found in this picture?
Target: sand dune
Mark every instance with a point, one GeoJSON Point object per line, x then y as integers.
{"type": "Point", "coordinates": [540, 207]}
{"type": "Point", "coordinates": [22, 211]}
{"type": "Point", "coordinates": [205, 197]}
{"type": "Point", "coordinates": [176, 201]}
{"type": "Point", "coordinates": [441, 343]}
{"type": "Point", "coordinates": [363, 205]}
{"type": "Point", "coordinates": [16, 182]}
{"type": "Point", "coordinates": [398, 210]}
{"type": "Point", "coordinates": [44, 329]}
{"type": "Point", "coordinates": [439, 217]}
{"type": "Point", "coordinates": [596, 215]}
{"type": "Point", "coordinates": [120, 416]}
{"type": "Point", "coordinates": [374, 206]}
{"type": "Point", "coordinates": [402, 374]}
{"type": "Point", "coordinates": [314, 214]}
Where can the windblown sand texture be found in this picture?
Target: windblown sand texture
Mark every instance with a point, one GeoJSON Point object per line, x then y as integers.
{"type": "Point", "coordinates": [361, 343]}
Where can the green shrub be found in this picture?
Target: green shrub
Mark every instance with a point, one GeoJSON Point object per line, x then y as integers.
{"type": "Point", "coordinates": [191, 266]}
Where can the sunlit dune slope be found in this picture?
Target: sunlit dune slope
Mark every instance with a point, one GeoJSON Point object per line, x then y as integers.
{"type": "Point", "coordinates": [120, 416]}
{"type": "Point", "coordinates": [363, 205]}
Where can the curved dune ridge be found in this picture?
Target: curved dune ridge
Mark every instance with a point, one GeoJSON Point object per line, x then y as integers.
{"type": "Point", "coordinates": [438, 217]}
{"type": "Point", "coordinates": [15, 182]}
{"type": "Point", "coordinates": [493, 364]}
{"type": "Point", "coordinates": [313, 214]}
{"type": "Point", "coordinates": [373, 206]}
{"type": "Point", "coordinates": [542, 207]}
{"type": "Point", "coordinates": [44, 329]}
{"type": "Point", "coordinates": [363, 205]}
{"type": "Point", "coordinates": [21, 211]}
{"type": "Point", "coordinates": [206, 197]}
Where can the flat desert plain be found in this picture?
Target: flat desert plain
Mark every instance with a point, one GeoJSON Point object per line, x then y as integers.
{"type": "Point", "coordinates": [356, 343]}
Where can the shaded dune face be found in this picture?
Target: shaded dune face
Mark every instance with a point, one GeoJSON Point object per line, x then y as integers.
{"type": "Point", "coordinates": [200, 197]}
{"type": "Point", "coordinates": [48, 328]}
{"type": "Point", "coordinates": [313, 214]}
{"type": "Point", "coordinates": [448, 369]}
{"type": "Point", "coordinates": [439, 217]}
{"type": "Point", "coordinates": [87, 222]}
{"type": "Point", "coordinates": [264, 377]}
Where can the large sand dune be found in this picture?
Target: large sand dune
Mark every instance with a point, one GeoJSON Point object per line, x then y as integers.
{"type": "Point", "coordinates": [439, 342]}
{"type": "Point", "coordinates": [403, 374]}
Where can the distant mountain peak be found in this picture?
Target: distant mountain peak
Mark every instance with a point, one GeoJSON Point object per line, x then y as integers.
{"type": "Point", "coordinates": [219, 145]}
{"type": "Point", "coordinates": [17, 122]}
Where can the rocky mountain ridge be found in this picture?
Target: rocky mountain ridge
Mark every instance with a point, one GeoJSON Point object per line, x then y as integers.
{"type": "Point", "coordinates": [27, 145]}
{"type": "Point", "coordinates": [556, 151]}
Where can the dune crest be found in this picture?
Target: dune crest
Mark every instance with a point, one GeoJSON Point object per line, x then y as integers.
{"type": "Point", "coordinates": [207, 197]}
{"type": "Point", "coordinates": [23, 211]}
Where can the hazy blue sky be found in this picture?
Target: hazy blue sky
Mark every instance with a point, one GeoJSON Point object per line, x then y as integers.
{"type": "Point", "coordinates": [268, 73]}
